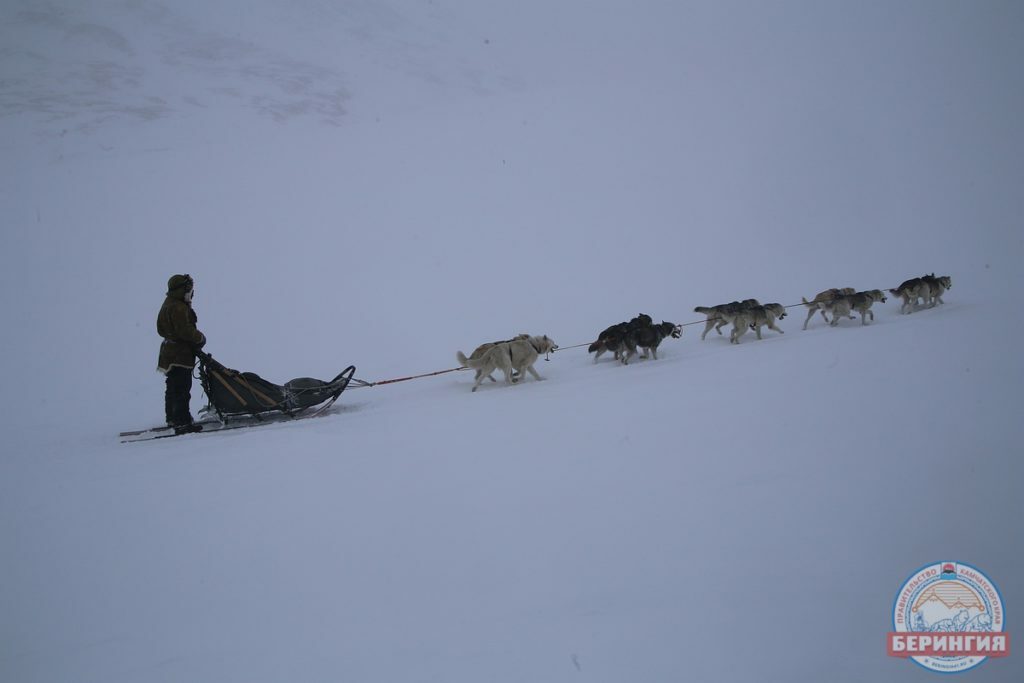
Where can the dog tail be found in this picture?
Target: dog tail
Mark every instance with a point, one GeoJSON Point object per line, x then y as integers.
{"type": "Point", "coordinates": [594, 347]}
{"type": "Point", "coordinates": [703, 309]}
{"type": "Point", "coordinates": [806, 302]}
{"type": "Point", "coordinates": [463, 361]}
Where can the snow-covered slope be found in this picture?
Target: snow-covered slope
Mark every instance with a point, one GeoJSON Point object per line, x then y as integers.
{"type": "Point", "coordinates": [384, 183]}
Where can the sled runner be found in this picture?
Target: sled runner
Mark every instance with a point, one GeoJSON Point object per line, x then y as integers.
{"type": "Point", "coordinates": [235, 394]}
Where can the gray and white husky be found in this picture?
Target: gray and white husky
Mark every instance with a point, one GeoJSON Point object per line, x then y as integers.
{"type": "Point", "coordinates": [936, 286]}
{"type": "Point", "coordinates": [513, 358]}
{"type": "Point", "coordinates": [766, 315]}
{"type": "Point", "coordinates": [818, 303]}
{"type": "Point", "coordinates": [721, 315]}
{"type": "Point", "coordinates": [911, 291]}
{"type": "Point", "coordinates": [843, 305]}
{"type": "Point", "coordinates": [754, 318]}
{"type": "Point", "coordinates": [927, 287]}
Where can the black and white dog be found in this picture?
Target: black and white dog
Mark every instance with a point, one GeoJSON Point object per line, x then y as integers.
{"type": "Point", "coordinates": [648, 338]}
{"type": "Point", "coordinates": [611, 339]}
{"type": "Point", "coordinates": [624, 338]}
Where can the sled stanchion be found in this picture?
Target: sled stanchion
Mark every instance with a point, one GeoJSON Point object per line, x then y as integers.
{"type": "Point", "coordinates": [266, 400]}
{"type": "Point", "coordinates": [228, 387]}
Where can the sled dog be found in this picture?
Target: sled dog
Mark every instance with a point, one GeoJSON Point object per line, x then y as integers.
{"type": "Point", "coordinates": [741, 322]}
{"type": "Point", "coordinates": [611, 339]}
{"type": "Point", "coordinates": [648, 338]}
{"type": "Point", "coordinates": [911, 291]}
{"type": "Point", "coordinates": [766, 315]}
{"type": "Point", "coordinates": [721, 315]}
{"type": "Point", "coordinates": [861, 302]}
{"type": "Point", "coordinates": [480, 350]}
{"type": "Point", "coordinates": [817, 304]}
{"type": "Point", "coordinates": [513, 358]}
{"type": "Point", "coordinates": [936, 286]}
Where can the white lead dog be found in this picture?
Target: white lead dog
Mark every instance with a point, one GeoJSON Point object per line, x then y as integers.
{"type": "Point", "coordinates": [513, 358]}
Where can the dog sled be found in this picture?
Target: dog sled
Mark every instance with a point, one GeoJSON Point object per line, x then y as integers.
{"type": "Point", "coordinates": [233, 394]}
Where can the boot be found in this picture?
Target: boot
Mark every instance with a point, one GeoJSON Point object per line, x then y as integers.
{"type": "Point", "coordinates": [190, 428]}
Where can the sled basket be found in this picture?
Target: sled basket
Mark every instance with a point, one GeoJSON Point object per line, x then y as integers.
{"type": "Point", "coordinates": [237, 394]}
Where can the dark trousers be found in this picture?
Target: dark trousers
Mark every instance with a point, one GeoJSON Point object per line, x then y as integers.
{"type": "Point", "coordinates": [179, 393]}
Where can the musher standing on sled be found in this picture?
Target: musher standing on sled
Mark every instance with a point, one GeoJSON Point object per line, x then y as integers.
{"type": "Point", "coordinates": [176, 323]}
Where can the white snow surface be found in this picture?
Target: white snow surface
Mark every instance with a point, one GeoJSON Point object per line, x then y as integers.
{"type": "Point", "coordinates": [386, 182]}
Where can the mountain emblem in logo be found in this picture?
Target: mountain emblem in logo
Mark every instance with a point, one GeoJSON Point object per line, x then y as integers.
{"type": "Point", "coordinates": [948, 617]}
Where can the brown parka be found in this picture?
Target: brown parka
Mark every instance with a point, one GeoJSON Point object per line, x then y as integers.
{"type": "Point", "coordinates": [176, 323]}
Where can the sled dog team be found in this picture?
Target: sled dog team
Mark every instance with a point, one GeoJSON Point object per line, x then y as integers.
{"type": "Point", "coordinates": [516, 357]}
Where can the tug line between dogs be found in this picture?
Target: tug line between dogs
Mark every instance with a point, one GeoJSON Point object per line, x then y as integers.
{"type": "Point", "coordinates": [362, 384]}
